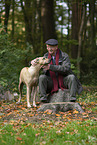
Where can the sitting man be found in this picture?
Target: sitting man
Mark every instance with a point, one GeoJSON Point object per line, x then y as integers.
{"type": "Point", "coordinates": [58, 73]}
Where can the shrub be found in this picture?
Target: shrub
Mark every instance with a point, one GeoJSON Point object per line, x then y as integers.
{"type": "Point", "coordinates": [12, 60]}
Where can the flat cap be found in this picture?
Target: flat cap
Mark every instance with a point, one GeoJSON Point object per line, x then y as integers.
{"type": "Point", "coordinates": [52, 42]}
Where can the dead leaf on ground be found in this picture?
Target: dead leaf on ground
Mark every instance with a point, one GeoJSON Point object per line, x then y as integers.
{"type": "Point", "coordinates": [58, 115]}
{"type": "Point", "coordinates": [19, 138]}
{"type": "Point", "coordinates": [75, 112]}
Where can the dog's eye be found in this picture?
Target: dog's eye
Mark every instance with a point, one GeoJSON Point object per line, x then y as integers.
{"type": "Point", "coordinates": [37, 60]}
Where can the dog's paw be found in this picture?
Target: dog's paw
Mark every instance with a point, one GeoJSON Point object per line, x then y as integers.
{"type": "Point", "coordinates": [28, 105]}
{"type": "Point", "coordinates": [34, 105]}
{"type": "Point", "coordinates": [19, 102]}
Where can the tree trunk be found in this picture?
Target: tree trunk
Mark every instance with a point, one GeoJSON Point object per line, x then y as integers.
{"type": "Point", "coordinates": [13, 2]}
{"type": "Point", "coordinates": [7, 9]}
{"type": "Point", "coordinates": [80, 41]}
{"type": "Point", "coordinates": [32, 28]}
{"type": "Point", "coordinates": [0, 15]}
{"type": "Point", "coordinates": [68, 28]}
{"type": "Point", "coordinates": [76, 17]}
{"type": "Point", "coordinates": [36, 26]}
{"type": "Point", "coordinates": [92, 27]}
{"type": "Point", "coordinates": [47, 16]}
{"type": "Point", "coordinates": [27, 11]}
{"type": "Point", "coordinates": [74, 48]}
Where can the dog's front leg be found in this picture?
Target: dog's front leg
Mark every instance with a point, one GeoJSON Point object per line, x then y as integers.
{"type": "Point", "coordinates": [34, 92]}
{"type": "Point", "coordinates": [28, 96]}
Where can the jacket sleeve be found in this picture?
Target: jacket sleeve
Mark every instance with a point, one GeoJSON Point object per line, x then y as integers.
{"type": "Point", "coordinates": [64, 65]}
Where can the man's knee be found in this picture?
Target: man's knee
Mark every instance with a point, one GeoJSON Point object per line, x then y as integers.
{"type": "Point", "coordinates": [42, 77]}
{"type": "Point", "coordinates": [71, 77]}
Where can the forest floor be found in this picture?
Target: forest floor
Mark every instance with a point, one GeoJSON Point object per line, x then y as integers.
{"type": "Point", "coordinates": [12, 112]}
{"type": "Point", "coordinates": [20, 125]}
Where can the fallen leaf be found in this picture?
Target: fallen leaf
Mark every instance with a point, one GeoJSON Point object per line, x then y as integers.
{"type": "Point", "coordinates": [44, 142]}
{"type": "Point", "coordinates": [8, 110]}
{"type": "Point", "coordinates": [19, 138]}
{"type": "Point", "coordinates": [84, 113]}
{"type": "Point", "coordinates": [85, 116]}
{"type": "Point", "coordinates": [37, 134]}
{"type": "Point", "coordinates": [64, 116]}
{"type": "Point", "coordinates": [75, 112]}
{"type": "Point", "coordinates": [67, 132]}
{"type": "Point", "coordinates": [58, 132]}
{"type": "Point", "coordinates": [57, 115]}
{"type": "Point", "coordinates": [52, 140]}
{"type": "Point", "coordinates": [9, 113]}
{"type": "Point", "coordinates": [68, 141]}
{"type": "Point", "coordinates": [48, 111]}
{"type": "Point", "coordinates": [94, 118]}
{"type": "Point", "coordinates": [31, 115]}
{"type": "Point", "coordinates": [63, 113]}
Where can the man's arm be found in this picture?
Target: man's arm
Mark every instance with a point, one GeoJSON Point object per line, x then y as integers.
{"type": "Point", "coordinates": [64, 65]}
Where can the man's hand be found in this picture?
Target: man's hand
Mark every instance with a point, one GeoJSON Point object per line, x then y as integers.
{"type": "Point", "coordinates": [46, 67]}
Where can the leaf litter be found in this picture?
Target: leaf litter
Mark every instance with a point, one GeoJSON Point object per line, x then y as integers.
{"type": "Point", "coordinates": [19, 114]}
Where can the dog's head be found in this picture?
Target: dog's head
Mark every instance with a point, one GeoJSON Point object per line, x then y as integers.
{"type": "Point", "coordinates": [41, 61]}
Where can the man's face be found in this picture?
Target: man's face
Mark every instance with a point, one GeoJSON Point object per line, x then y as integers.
{"type": "Point", "coordinates": [52, 49]}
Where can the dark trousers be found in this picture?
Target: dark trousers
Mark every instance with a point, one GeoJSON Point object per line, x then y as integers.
{"type": "Point", "coordinates": [46, 84]}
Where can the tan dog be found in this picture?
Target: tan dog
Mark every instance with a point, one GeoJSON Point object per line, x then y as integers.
{"type": "Point", "coordinates": [29, 76]}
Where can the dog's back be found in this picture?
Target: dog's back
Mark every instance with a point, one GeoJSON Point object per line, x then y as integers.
{"type": "Point", "coordinates": [29, 75]}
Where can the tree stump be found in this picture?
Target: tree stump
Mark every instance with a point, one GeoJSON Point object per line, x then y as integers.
{"type": "Point", "coordinates": [61, 106]}
{"type": "Point", "coordinates": [60, 96]}
{"type": "Point", "coordinates": [60, 101]}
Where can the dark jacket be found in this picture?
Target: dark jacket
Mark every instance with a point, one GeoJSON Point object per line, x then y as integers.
{"type": "Point", "coordinates": [64, 68]}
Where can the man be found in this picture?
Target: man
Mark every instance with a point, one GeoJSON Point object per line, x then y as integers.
{"type": "Point", "coordinates": [58, 73]}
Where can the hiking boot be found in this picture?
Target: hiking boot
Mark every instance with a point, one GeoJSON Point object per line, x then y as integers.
{"type": "Point", "coordinates": [72, 99]}
{"type": "Point", "coordinates": [43, 99]}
